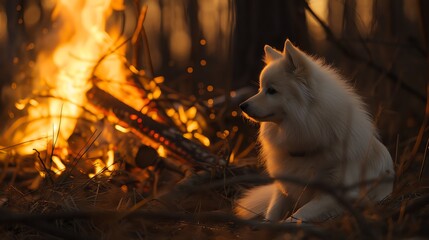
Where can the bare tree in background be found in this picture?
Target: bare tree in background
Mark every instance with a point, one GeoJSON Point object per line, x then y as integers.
{"type": "Point", "coordinates": [265, 22]}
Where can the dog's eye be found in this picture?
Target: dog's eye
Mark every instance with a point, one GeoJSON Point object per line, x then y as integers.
{"type": "Point", "coordinates": [271, 91]}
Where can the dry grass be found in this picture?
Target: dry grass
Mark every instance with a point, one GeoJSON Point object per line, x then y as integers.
{"type": "Point", "coordinates": [77, 207]}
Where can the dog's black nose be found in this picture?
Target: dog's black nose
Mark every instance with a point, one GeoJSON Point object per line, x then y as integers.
{"type": "Point", "coordinates": [244, 106]}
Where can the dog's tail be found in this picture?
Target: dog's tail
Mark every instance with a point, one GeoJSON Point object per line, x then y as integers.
{"type": "Point", "coordinates": [254, 202]}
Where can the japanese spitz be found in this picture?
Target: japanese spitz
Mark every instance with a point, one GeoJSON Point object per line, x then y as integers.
{"type": "Point", "coordinates": [313, 127]}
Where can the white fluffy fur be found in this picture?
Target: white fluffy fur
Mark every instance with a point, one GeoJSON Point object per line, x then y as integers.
{"type": "Point", "coordinates": [305, 107]}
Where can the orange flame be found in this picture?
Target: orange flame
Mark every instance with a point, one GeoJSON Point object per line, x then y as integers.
{"type": "Point", "coordinates": [63, 75]}
{"type": "Point", "coordinates": [84, 50]}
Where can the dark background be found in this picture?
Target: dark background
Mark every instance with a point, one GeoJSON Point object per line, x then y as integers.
{"type": "Point", "coordinates": [380, 46]}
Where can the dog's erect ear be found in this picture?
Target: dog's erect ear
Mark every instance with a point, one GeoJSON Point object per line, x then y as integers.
{"type": "Point", "coordinates": [271, 54]}
{"type": "Point", "coordinates": [294, 57]}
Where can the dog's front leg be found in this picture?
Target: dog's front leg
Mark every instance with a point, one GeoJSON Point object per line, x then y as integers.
{"type": "Point", "coordinates": [318, 209]}
{"type": "Point", "coordinates": [277, 206]}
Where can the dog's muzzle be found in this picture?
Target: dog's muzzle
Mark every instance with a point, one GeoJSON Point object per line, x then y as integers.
{"type": "Point", "coordinates": [244, 106]}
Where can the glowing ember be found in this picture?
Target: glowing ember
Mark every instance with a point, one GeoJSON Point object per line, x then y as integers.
{"type": "Point", "coordinates": [110, 162]}
{"type": "Point", "coordinates": [59, 166]}
{"type": "Point", "coordinates": [161, 151]}
{"type": "Point", "coordinates": [121, 129]}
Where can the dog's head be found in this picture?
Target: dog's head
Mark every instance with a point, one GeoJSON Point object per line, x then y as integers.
{"type": "Point", "coordinates": [284, 86]}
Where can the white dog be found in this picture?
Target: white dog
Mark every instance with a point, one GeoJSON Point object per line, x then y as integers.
{"type": "Point", "coordinates": [313, 127]}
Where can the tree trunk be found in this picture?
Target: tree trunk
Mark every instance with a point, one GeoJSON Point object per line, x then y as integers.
{"type": "Point", "coordinates": [264, 22]}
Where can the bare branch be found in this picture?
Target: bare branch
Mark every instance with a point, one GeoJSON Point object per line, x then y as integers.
{"type": "Point", "coordinates": [7, 217]}
{"type": "Point", "coordinates": [354, 56]}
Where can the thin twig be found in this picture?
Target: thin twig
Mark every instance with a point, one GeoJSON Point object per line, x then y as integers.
{"type": "Point", "coordinates": [147, 57]}
{"type": "Point", "coordinates": [409, 159]}
{"type": "Point", "coordinates": [200, 218]}
{"type": "Point", "coordinates": [136, 34]}
{"type": "Point", "coordinates": [44, 166]}
{"type": "Point", "coordinates": [422, 167]}
{"type": "Point", "coordinates": [22, 143]}
{"type": "Point", "coordinates": [139, 26]}
{"type": "Point", "coordinates": [423, 126]}
{"type": "Point", "coordinates": [413, 207]}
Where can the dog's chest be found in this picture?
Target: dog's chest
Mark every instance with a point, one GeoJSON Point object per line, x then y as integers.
{"type": "Point", "coordinates": [292, 168]}
{"type": "Point", "coordinates": [281, 161]}
{"type": "Point", "coordinates": [281, 164]}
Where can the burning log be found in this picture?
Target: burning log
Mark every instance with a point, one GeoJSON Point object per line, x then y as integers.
{"type": "Point", "coordinates": [144, 126]}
